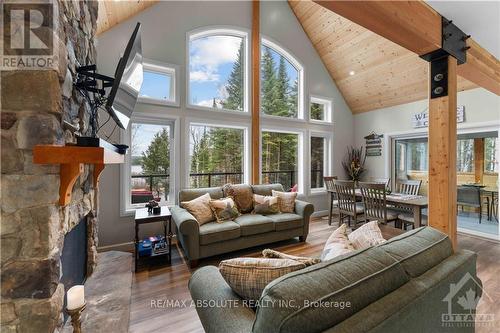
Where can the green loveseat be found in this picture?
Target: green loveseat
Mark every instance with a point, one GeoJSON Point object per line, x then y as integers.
{"type": "Point", "coordinates": [245, 231]}
{"type": "Point", "coordinates": [411, 283]}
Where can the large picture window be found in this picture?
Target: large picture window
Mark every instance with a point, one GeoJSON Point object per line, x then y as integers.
{"type": "Point", "coordinates": [217, 76]}
{"type": "Point", "coordinates": [216, 155]}
{"type": "Point", "coordinates": [281, 81]}
{"type": "Point", "coordinates": [280, 158]}
{"type": "Point", "coordinates": [149, 167]}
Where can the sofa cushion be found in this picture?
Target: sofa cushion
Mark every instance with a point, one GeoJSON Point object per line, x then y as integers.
{"type": "Point", "coordinates": [286, 221]}
{"type": "Point", "coordinates": [419, 250]}
{"type": "Point", "coordinates": [200, 209]}
{"type": "Point", "coordinates": [286, 201]}
{"type": "Point", "coordinates": [249, 276]}
{"type": "Point", "coordinates": [252, 224]}
{"type": "Point", "coordinates": [369, 234]}
{"type": "Point", "coordinates": [337, 244]}
{"type": "Point", "coordinates": [224, 209]}
{"type": "Point", "coordinates": [359, 278]}
{"type": "Point", "coordinates": [265, 205]}
{"type": "Point", "coordinates": [193, 193]}
{"type": "Point", "coordinates": [216, 232]}
{"type": "Point", "coordinates": [242, 195]}
{"type": "Point", "coordinates": [266, 189]}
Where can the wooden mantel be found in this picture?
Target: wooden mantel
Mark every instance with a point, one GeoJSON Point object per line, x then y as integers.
{"type": "Point", "coordinates": [71, 159]}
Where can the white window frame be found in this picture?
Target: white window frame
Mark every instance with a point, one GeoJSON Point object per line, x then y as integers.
{"type": "Point", "coordinates": [300, 153]}
{"type": "Point", "coordinates": [220, 124]}
{"type": "Point", "coordinates": [327, 159]}
{"type": "Point", "coordinates": [328, 109]}
{"type": "Point", "coordinates": [126, 207]}
{"type": "Point", "coordinates": [163, 68]}
{"type": "Point", "coordinates": [268, 42]}
{"type": "Point", "coordinates": [220, 31]}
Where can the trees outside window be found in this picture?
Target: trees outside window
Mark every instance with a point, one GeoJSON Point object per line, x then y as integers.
{"type": "Point", "coordinates": [491, 155]}
{"type": "Point", "coordinates": [320, 109]}
{"type": "Point", "coordinates": [216, 155]}
{"type": "Point", "coordinates": [318, 150]}
{"type": "Point", "coordinates": [217, 66]}
{"type": "Point", "coordinates": [280, 158]}
{"type": "Point", "coordinates": [465, 155]}
{"type": "Point", "coordinates": [150, 162]}
{"type": "Point", "coordinates": [279, 84]}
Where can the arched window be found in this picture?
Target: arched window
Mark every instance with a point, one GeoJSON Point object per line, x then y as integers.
{"type": "Point", "coordinates": [218, 70]}
{"type": "Point", "coordinates": [281, 82]}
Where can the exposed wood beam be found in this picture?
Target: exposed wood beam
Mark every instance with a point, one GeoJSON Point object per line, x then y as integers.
{"type": "Point", "coordinates": [443, 157]}
{"type": "Point", "coordinates": [412, 24]}
{"type": "Point", "coordinates": [415, 26]}
{"type": "Point", "coordinates": [255, 54]}
{"type": "Point", "coordinates": [478, 160]}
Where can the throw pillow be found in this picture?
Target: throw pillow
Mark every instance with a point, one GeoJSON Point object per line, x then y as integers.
{"type": "Point", "coordinates": [337, 244]}
{"type": "Point", "coordinates": [249, 276]}
{"type": "Point", "coordinates": [268, 253]}
{"type": "Point", "coordinates": [367, 235]}
{"type": "Point", "coordinates": [242, 195]}
{"type": "Point", "coordinates": [265, 204]}
{"type": "Point", "coordinates": [286, 201]}
{"type": "Point", "coordinates": [200, 208]}
{"type": "Point", "coordinates": [224, 209]}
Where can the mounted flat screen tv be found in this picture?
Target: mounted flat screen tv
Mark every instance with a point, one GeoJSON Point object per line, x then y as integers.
{"type": "Point", "coordinates": [128, 81]}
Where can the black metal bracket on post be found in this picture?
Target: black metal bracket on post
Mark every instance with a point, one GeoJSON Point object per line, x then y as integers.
{"type": "Point", "coordinates": [454, 44]}
{"type": "Point", "coordinates": [87, 79]}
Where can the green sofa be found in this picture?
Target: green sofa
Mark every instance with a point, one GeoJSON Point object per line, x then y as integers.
{"type": "Point", "coordinates": [245, 231]}
{"type": "Point", "coordinates": [411, 283]}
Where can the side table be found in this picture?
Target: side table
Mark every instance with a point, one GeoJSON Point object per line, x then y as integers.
{"type": "Point", "coordinates": [143, 217]}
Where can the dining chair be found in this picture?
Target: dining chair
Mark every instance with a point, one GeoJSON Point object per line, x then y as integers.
{"type": "Point", "coordinates": [386, 181]}
{"type": "Point", "coordinates": [469, 196]}
{"type": "Point", "coordinates": [494, 205]}
{"type": "Point", "coordinates": [409, 186]}
{"type": "Point", "coordinates": [347, 205]}
{"type": "Point", "coordinates": [374, 200]}
{"type": "Point", "coordinates": [405, 218]}
{"type": "Point", "coordinates": [328, 180]}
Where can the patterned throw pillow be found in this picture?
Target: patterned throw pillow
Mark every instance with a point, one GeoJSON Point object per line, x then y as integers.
{"type": "Point", "coordinates": [286, 201]}
{"type": "Point", "coordinates": [242, 195]}
{"type": "Point", "coordinates": [268, 253]}
{"type": "Point", "coordinates": [367, 235]}
{"type": "Point", "coordinates": [337, 244]}
{"type": "Point", "coordinates": [224, 209]}
{"type": "Point", "coordinates": [265, 204]}
{"type": "Point", "coordinates": [249, 276]}
{"type": "Point", "coordinates": [200, 209]}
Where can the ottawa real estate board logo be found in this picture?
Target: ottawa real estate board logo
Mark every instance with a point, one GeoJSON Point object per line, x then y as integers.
{"type": "Point", "coordinates": [462, 300]}
{"type": "Point", "coordinates": [28, 30]}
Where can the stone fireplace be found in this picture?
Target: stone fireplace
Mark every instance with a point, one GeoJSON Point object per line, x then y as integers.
{"type": "Point", "coordinates": [41, 107]}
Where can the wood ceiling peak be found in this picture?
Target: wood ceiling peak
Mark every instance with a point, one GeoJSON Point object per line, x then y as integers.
{"type": "Point", "coordinates": [112, 12]}
{"type": "Point", "coordinates": [386, 74]}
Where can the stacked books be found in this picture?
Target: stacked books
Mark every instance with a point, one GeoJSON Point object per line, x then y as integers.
{"type": "Point", "coordinates": [153, 246]}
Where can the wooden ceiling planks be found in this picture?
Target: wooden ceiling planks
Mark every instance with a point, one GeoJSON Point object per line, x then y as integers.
{"type": "Point", "coordinates": [112, 12]}
{"type": "Point", "coordinates": [385, 74]}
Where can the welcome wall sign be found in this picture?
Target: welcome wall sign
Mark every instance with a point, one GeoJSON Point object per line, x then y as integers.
{"type": "Point", "coordinates": [421, 119]}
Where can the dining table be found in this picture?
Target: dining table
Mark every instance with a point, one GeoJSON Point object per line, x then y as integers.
{"type": "Point", "coordinates": [488, 191]}
{"type": "Point", "coordinates": [415, 203]}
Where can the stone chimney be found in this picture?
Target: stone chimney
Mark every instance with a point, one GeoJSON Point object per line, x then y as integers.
{"type": "Point", "coordinates": [35, 104]}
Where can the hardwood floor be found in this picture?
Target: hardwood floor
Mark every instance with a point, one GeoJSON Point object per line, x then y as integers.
{"type": "Point", "coordinates": [151, 288]}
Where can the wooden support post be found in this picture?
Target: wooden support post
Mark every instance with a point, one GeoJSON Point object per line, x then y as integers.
{"type": "Point", "coordinates": [255, 55]}
{"type": "Point", "coordinates": [478, 160]}
{"type": "Point", "coordinates": [443, 157]}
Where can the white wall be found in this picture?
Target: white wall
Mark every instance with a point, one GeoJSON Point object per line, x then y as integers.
{"type": "Point", "coordinates": [481, 106]}
{"type": "Point", "coordinates": [164, 28]}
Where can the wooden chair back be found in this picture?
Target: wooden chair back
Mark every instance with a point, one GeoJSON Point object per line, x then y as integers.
{"type": "Point", "coordinates": [385, 181]}
{"type": "Point", "coordinates": [328, 180]}
{"type": "Point", "coordinates": [409, 186]}
{"type": "Point", "coordinates": [374, 200]}
{"type": "Point", "coordinates": [346, 196]}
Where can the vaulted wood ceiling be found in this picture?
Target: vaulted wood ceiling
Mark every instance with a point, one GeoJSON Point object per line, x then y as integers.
{"type": "Point", "coordinates": [112, 13]}
{"type": "Point", "coordinates": [384, 73]}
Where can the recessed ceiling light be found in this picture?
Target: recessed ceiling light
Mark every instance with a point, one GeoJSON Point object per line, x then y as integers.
{"type": "Point", "coordinates": [351, 73]}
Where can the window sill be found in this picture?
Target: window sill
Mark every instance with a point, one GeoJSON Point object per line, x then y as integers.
{"type": "Point", "coordinates": [220, 111]}
{"type": "Point", "coordinates": [321, 122]}
{"type": "Point", "coordinates": [147, 100]}
{"type": "Point", "coordinates": [267, 116]}
{"type": "Point", "coordinates": [318, 191]}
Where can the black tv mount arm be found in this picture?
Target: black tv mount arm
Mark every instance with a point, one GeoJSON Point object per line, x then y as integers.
{"type": "Point", "coordinates": [92, 86]}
